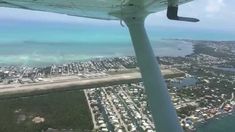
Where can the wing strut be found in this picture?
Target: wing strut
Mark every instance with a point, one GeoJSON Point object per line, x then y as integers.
{"type": "Point", "coordinates": [163, 111]}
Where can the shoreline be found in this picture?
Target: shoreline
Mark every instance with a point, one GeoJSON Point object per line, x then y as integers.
{"type": "Point", "coordinates": [220, 117]}
{"type": "Point", "coordinates": [204, 56]}
{"type": "Point", "coordinates": [227, 108]}
{"type": "Point", "coordinates": [223, 111]}
{"type": "Point", "coordinates": [39, 58]}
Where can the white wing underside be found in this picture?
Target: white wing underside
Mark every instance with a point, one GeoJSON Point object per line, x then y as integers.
{"type": "Point", "coordinates": [98, 9]}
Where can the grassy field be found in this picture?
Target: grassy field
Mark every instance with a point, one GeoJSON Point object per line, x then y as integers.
{"type": "Point", "coordinates": [61, 111]}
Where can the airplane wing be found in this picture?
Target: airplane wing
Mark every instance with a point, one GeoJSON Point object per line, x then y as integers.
{"type": "Point", "coordinates": [97, 9]}
{"type": "Point", "coordinates": [133, 13]}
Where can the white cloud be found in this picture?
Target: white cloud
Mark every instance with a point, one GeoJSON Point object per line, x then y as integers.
{"type": "Point", "coordinates": [215, 6]}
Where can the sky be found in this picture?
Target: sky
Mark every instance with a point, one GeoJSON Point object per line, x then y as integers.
{"type": "Point", "coordinates": [213, 14]}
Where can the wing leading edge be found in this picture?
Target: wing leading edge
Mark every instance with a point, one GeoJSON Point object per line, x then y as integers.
{"type": "Point", "coordinates": [97, 9]}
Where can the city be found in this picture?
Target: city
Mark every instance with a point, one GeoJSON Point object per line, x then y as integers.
{"type": "Point", "coordinates": [201, 86]}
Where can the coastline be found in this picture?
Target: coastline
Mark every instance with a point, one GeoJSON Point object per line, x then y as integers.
{"type": "Point", "coordinates": [201, 114]}
{"type": "Point", "coordinates": [48, 54]}
{"type": "Point", "coordinates": [226, 109]}
{"type": "Point", "coordinates": [200, 126]}
{"type": "Point", "coordinates": [211, 115]}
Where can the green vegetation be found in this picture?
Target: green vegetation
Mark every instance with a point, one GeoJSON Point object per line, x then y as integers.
{"type": "Point", "coordinates": [175, 75]}
{"type": "Point", "coordinates": [187, 110]}
{"type": "Point", "coordinates": [63, 110]}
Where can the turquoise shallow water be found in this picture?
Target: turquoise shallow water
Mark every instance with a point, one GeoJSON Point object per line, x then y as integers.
{"type": "Point", "coordinates": [43, 44]}
{"type": "Point", "coordinates": [32, 43]}
{"type": "Point", "coordinates": [44, 53]}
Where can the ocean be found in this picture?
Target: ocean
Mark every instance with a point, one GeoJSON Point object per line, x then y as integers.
{"type": "Point", "coordinates": [45, 44]}
{"type": "Point", "coordinates": [37, 44]}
